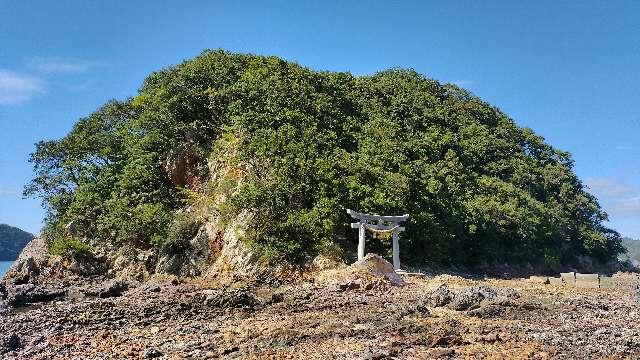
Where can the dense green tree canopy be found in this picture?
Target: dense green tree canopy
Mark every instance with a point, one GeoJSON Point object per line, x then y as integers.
{"type": "Point", "coordinates": [306, 145]}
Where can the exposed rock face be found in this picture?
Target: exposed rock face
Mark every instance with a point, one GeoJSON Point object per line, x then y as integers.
{"type": "Point", "coordinates": [237, 258]}
{"type": "Point", "coordinates": [194, 260]}
{"type": "Point", "coordinates": [38, 277]}
{"type": "Point", "coordinates": [183, 167]}
{"type": "Point", "coordinates": [24, 270]}
{"type": "Point", "coordinates": [36, 249]}
{"type": "Point", "coordinates": [213, 252]}
{"type": "Point", "coordinates": [216, 251]}
{"type": "Point", "coordinates": [33, 257]}
{"type": "Point", "coordinates": [35, 265]}
{"type": "Point", "coordinates": [133, 266]}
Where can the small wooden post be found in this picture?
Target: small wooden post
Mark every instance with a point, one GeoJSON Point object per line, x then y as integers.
{"type": "Point", "coordinates": [361, 235]}
{"type": "Point", "coordinates": [396, 251]}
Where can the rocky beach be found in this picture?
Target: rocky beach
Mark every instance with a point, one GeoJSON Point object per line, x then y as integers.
{"type": "Point", "coordinates": [363, 311]}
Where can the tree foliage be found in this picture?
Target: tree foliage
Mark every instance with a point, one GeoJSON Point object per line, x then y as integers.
{"type": "Point", "coordinates": [309, 144]}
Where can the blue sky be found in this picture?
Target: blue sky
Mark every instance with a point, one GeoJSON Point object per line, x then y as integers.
{"type": "Point", "coordinates": [568, 70]}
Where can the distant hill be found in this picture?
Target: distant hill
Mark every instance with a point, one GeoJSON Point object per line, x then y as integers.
{"type": "Point", "coordinates": [633, 249]}
{"type": "Point", "coordinates": [12, 241]}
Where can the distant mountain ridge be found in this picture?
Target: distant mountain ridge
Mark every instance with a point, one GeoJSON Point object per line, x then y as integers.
{"type": "Point", "coordinates": [633, 249]}
{"type": "Point", "coordinates": [12, 241]}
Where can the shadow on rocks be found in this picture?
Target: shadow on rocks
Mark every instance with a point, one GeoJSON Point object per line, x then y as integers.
{"type": "Point", "coordinates": [9, 343]}
{"type": "Point", "coordinates": [23, 295]}
{"type": "Point", "coordinates": [113, 288]}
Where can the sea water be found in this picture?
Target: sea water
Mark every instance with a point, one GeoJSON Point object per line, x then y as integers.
{"type": "Point", "coordinates": [4, 266]}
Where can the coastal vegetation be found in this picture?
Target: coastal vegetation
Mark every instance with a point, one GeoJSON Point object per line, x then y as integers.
{"type": "Point", "coordinates": [298, 147]}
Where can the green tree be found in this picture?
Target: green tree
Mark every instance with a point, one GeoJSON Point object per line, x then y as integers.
{"type": "Point", "coordinates": [309, 144]}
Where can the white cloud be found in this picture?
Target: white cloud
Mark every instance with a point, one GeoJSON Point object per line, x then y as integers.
{"type": "Point", "coordinates": [617, 198]}
{"type": "Point", "coordinates": [608, 187]}
{"type": "Point", "coordinates": [59, 65]}
{"type": "Point", "coordinates": [16, 88]}
{"type": "Point", "coordinates": [627, 207]}
{"type": "Point", "coordinates": [4, 191]}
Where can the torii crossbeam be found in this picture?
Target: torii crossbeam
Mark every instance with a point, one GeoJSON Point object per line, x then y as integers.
{"type": "Point", "coordinates": [380, 224]}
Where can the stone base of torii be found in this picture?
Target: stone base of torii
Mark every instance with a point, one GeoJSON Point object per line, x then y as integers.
{"type": "Point", "coordinates": [378, 223]}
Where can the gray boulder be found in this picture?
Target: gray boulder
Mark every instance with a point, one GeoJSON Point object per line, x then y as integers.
{"type": "Point", "coordinates": [470, 298]}
{"type": "Point", "coordinates": [440, 296]}
{"type": "Point", "coordinates": [27, 266]}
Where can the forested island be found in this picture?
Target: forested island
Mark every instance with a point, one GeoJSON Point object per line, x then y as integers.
{"type": "Point", "coordinates": [12, 241]}
{"type": "Point", "coordinates": [205, 217]}
{"type": "Point", "coordinates": [290, 148]}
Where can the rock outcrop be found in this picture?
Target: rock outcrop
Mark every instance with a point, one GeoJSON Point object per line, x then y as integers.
{"type": "Point", "coordinates": [377, 266]}
{"type": "Point", "coordinates": [183, 166]}
{"type": "Point", "coordinates": [237, 261]}
{"type": "Point", "coordinates": [28, 265]}
{"type": "Point", "coordinates": [372, 272]}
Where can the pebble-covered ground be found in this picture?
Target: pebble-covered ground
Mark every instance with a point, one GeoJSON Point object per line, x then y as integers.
{"type": "Point", "coordinates": [430, 317]}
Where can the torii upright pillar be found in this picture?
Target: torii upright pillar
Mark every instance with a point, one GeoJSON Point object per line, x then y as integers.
{"type": "Point", "coordinates": [381, 224]}
{"type": "Point", "coordinates": [396, 249]}
{"type": "Point", "coordinates": [361, 239]}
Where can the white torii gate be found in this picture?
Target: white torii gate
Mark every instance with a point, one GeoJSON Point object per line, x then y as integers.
{"type": "Point", "coordinates": [378, 223]}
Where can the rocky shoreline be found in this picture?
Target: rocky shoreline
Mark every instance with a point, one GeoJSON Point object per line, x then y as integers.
{"type": "Point", "coordinates": [352, 313]}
